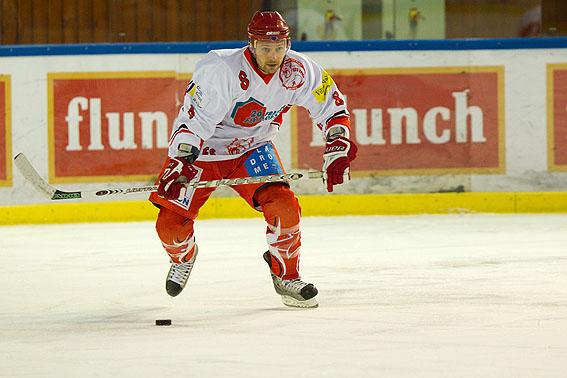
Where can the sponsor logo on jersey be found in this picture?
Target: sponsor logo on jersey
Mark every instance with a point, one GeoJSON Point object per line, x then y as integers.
{"type": "Point", "coordinates": [251, 112]}
{"type": "Point", "coordinates": [321, 91]}
{"type": "Point", "coordinates": [292, 74]}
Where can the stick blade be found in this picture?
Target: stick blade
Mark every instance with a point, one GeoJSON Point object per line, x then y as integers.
{"type": "Point", "coordinates": [31, 175]}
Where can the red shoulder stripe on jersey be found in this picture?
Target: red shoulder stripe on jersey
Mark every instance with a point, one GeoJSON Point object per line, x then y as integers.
{"type": "Point", "coordinates": [279, 119]}
{"type": "Point", "coordinates": [264, 76]}
{"type": "Point", "coordinates": [341, 120]}
{"type": "Point", "coordinates": [184, 130]}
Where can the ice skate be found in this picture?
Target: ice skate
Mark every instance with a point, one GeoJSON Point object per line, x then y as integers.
{"type": "Point", "coordinates": [178, 275]}
{"type": "Point", "coordinates": [295, 293]}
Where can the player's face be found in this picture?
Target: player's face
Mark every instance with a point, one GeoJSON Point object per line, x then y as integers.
{"type": "Point", "coordinates": [269, 54]}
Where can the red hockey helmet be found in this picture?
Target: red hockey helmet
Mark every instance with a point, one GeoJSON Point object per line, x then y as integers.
{"type": "Point", "coordinates": [268, 25]}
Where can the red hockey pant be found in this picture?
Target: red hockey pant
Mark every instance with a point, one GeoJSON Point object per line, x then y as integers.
{"type": "Point", "coordinates": [275, 200]}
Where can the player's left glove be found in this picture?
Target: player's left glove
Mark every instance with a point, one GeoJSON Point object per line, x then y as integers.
{"type": "Point", "coordinates": [339, 153]}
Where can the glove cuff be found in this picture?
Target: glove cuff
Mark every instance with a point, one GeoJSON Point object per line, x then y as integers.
{"type": "Point", "coordinates": [187, 152]}
{"type": "Point", "coordinates": [337, 131]}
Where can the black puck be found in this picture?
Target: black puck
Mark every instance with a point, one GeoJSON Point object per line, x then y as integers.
{"type": "Point", "coordinates": [163, 322]}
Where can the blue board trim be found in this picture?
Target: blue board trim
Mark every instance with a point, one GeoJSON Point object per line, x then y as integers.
{"type": "Point", "coordinates": [303, 46]}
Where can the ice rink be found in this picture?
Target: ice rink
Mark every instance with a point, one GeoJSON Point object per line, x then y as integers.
{"type": "Point", "coordinates": [414, 296]}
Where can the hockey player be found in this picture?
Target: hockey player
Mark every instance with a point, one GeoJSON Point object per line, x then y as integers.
{"type": "Point", "coordinates": [233, 108]}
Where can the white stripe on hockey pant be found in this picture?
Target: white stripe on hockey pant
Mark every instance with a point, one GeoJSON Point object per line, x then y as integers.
{"type": "Point", "coordinates": [187, 244]}
{"type": "Point", "coordinates": [273, 239]}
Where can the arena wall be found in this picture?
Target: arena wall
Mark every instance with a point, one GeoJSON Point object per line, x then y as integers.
{"type": "Point", "coordinates": [442, 126]}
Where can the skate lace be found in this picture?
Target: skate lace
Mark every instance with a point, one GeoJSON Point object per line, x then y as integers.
{"type": "Point", "coordinates": [180, 272]}
{"type": "Point", "coordinates": [294, 285]}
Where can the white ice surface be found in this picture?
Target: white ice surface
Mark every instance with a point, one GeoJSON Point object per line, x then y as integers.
{"type": "Point", "coordinates": [426, 296]}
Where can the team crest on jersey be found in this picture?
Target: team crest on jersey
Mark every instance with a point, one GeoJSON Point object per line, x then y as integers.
{"type": "Point", "coordinates": [251, 112]}
{"type": "Point", "coordinates": [238, 146]}
{"type": "Point", "coordinates": [248, 113]}
{"type": "Point", "coordinates": [292, 73]}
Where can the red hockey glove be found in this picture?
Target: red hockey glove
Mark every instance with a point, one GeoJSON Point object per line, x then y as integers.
{"type": "Point", "coordinates": [338, 154]}
{"type": "Point", "coordinates": [174, 175]}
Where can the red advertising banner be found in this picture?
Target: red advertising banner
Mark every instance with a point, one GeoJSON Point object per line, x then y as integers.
{"type": "Point", "coordinates": [557, 117]}
{"type": "Point", "coordinates": [416, 121]}
{"type": "Point", "coordinates": [111, 126]}
{"type": "Point", "coordinates": [5, 131]}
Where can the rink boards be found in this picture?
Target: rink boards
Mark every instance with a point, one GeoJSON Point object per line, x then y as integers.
{"type": "Point", "coordinates": [442, 126]}
{"type": "Point", "coordinates": [311, 205]}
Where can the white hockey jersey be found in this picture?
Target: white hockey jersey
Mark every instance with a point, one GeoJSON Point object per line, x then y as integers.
{"type": "Point", "coordinates": [231, 107]}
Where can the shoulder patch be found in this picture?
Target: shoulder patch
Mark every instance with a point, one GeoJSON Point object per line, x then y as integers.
{"type": "Point", "coordinates": [321, 91]}
{"type": "Point", "coordinates": [196, 93]}
{"type": "Point", "coordinates": [191, 89]}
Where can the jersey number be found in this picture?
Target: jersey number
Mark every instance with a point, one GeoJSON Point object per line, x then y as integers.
{"type": "Point", "coordinates": [337, 97]}
{"type": "Point", "coordinates": [244, 82]}
{"type": "Point", "coordinates": [191, 112]}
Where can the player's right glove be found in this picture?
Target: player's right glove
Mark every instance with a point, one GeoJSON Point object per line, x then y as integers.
{"type": "Point", "coordinates": [177, 172]}
{"type": "Point", "coordinates": [339, 152]}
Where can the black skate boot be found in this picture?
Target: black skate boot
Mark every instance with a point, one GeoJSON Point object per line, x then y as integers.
{"type": "Point", "coordinates": [295, 293]}
{"type": "Point", "coordinates": [178, 275]}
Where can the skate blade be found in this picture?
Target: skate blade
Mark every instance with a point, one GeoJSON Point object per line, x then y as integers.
{"type": "Point", "coordinates": [292, 302]}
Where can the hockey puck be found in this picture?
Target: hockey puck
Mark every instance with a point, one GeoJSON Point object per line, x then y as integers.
{"type": "Point", "coordinates": [163, 322]}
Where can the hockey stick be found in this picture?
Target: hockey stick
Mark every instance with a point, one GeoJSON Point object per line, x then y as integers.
{"type": "Point", "coordinates": [42, 186]}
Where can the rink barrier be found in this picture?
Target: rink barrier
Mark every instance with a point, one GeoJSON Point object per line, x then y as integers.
{"type": "Point", "coordinates": [531, 172]}
{"type": "Point", "coordinates": [301, 46]}
{"type": "Point", "coordinates": [312, 205]}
